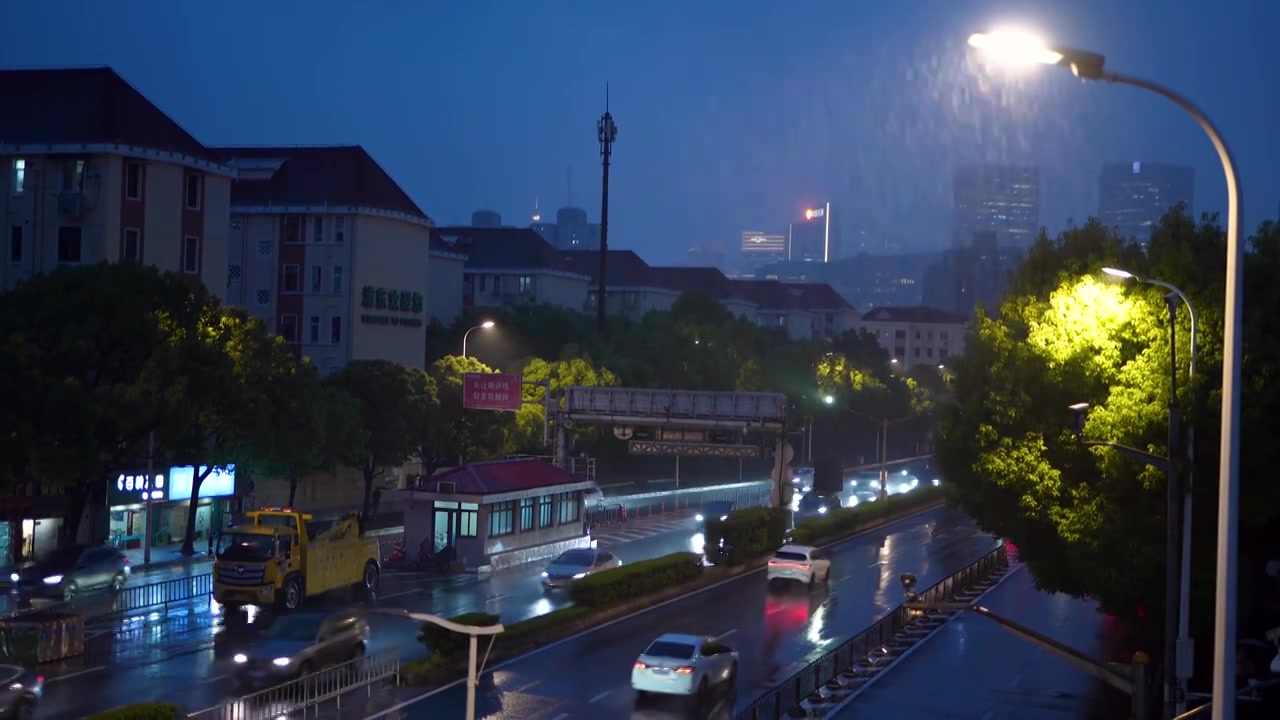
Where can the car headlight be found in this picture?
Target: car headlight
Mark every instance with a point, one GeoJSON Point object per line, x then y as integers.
{"type": "Point", "coordinates": [698, 517]}
{"type": "Point", "coordinates": [822, 510]}
{"type": "Point", "coordinates": [53, 580]}
{"type": "Point", "coordinates": [724, 517]}
{"type": "Point", "coordinates": [544, 574]}
{"type": "Point", "coordinates": [281, 662]}
{"type": "Point", "coordinates": [853, 501]}
{"type": "Point", "coordinates": [579, 576]}
{"type": "Point", "coordinates": [13, 577]}
{"type": "Point", "coordinates": [935, 482]}
{"type": "Point", "coordinates": [240, 658]}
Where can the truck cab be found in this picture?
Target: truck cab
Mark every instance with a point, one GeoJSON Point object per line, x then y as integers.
{"type": "Point", "coordinates": [276, 557]}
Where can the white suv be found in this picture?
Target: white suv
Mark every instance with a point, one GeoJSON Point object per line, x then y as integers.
{"type": "Point", "coordinates": [799, 562]}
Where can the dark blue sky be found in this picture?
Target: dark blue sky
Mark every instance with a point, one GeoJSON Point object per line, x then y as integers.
{"type": "Point", "coordinates": [732, 113]}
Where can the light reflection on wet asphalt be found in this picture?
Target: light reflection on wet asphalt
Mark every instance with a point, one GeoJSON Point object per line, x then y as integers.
{"type": "Point", "coordinates": [775, 633]}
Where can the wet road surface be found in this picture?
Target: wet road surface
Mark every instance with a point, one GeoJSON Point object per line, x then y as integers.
{"type": "Point", "coordinates": [170, 656]}
{"type": "Point", "coordinates": [775, 633]}
{"type": "Point", "coordinates": [973, 668]}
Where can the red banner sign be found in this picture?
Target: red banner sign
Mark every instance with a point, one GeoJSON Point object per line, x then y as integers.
{"type": "Point", "coordinates": [491, 391]}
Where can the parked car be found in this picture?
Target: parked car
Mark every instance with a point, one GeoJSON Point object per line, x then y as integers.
{"type": "Point", "coordinates": [800, 563]}
{"type": "Point", "coordinates": [20, 692]}
{"type": "Point", "coordinates": [576, 564]}
{"type": "Point", "coordinates": [297, 645]}
{"type": "Point", "coordinates": [592, 498]}
{"type": "Point", "coordinates": [69, 571]}
{"type": "Point", "coordinates": [688, 665]}
{"type": "Point", "coordinates": [717, 509]}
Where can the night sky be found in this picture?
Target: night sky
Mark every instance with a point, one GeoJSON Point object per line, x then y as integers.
{"type": "Point", "coordinates": [732, 114]}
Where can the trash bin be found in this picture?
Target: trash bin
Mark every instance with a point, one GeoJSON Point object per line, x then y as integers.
{"type": "Point", "coordinates": [41, 637]}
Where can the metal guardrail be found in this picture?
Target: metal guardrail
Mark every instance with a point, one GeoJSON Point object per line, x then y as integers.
{"type": "Point", "coordinates": [775, 704]}
{"type": "Point", "coordinates": [604, 515]}
{"type": "Point", "coordinates": [298, 697]}
{"type": "Point", "coordinates": [94, 605]}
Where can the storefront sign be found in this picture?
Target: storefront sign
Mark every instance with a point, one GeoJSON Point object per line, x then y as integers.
{"type": "Point", "coordinates": [135, 489]}
{"type": "Point", "coordinates": [400, 307]}
{"type": "Point", "coordinates": [491, 391]}
{"type": "Point", "coordinates": [221, 482]}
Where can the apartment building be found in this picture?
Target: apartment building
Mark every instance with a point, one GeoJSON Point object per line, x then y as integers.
{"type": "Point", "coordinates": [630, 289]}
{"type": "Point", "coordinates": [506, 267]}
{"type": "Point", "coordinates": [917, 335]}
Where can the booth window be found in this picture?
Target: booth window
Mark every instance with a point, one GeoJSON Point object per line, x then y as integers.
{"type": "Point", "coordinates": [468, 520]}
{"type": "Point", "coordinates": [526, 514]}
{"type": "Point", "coordinates": [570, 507]}
{"type": "Point", "coordinates": [502, 518]}
{"type": "Point", "coordinates": [544, 512]}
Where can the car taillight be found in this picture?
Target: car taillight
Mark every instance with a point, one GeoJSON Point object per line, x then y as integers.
{"type": "Point", "coordinates": [684, 670]}
{"type": "Point", "coordinates": [40, 679]}
{"type": "Point", "coordinates": [640, 665]}
{"type": "Point", "coordinates": [773, 562]}
{"type": "Point", "coordinates": [804, 565]}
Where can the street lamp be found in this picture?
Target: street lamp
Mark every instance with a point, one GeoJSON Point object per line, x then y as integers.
{"type": "Point", "coordinates": [1025, 49]}
{"type": "Point", "coordinates": [482, 326]}
{"type": "Point", "coordinates": [472, 631]}
{"type": "Point", "coordinates": [1186, 652]}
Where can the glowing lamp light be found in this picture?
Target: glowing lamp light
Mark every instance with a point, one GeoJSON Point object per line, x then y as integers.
{"type": "Point", "coordinates": [1014, 47]}
{"type": "Point", "coordinates": [808, 214]}
{"type": "Point", "coordinates": [1117, 273]}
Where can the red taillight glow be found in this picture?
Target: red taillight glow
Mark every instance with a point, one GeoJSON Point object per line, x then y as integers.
{"type": "Point", "coordinates": [684, 670]}
{"type": "Point", "coordinates": [640, 665]}
{"type": "Point", "coordinates": [40, 679]}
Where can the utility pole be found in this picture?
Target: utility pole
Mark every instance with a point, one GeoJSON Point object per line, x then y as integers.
{"type": "Point", "coordinates": [1173, 495]}
{"type": "Point", "coordinates": [607, 132]}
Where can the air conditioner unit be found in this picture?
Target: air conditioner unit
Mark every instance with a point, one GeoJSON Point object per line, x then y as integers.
{"type": "Point", "coordinates": [72, 204]}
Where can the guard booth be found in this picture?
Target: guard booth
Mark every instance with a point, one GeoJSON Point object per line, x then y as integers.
{"type": "Point", "coordinates": [495, 515]}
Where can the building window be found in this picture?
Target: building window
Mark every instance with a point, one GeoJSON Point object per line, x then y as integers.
{"type": "Point", "coordinates": [526, 514]}
{"type": "Point", "coordinates": [497, 285]}
{"type": "Point", "coordinates": [314, 329]}
{"type": "Point", "coordinates": [293, 229]}
{"type": "Point", "coordinates": [131, 245]}
{"type": "Point", "coordinates": [317, 278]}
{"type": "Point", "coordinates": [290, 280]}
{"type": "Point", "coordinates": [916, 352]}
{"type": "Point", "coordinates": [191, 254]}
{"type": "Point", "coordinates": [468, 520]}
{"type": "Point", "coordinates": [19, 184]}
{"type": "Point", "coordinates": [335, 329]}
{"type": "Point", "coordinates": [289, 328]}
{"type": "Point", "coordinates": [544, 511]}
{"type": "Point", "coordinates": [193, 192]}
{"type": "Point", "coordinates": [570, 507]}
{"type": "Point", "coordinates": [339, 230]}
{"type": "Point", "coordinates": [133, 181]}
{"type": "Point", "coordinates": [928, 352]}
{"type": "Point", "coordinates": [502, 519]}
{"type": "Point", "coordinates": [317, 229]}
{"type": "Point", "coordinates": [335, 280]}
{"type": "Point", "coordinates": [525, 284]}
{"type": "Point", "coordinates": [15, 244]}
{"type": "Point", "coordinates": [944, 336]}
{"type": "Point", "coordinates": [73, 176]}
{"type": "Point", "coordinates": [899, 334]}
{"type": "Point", "coordinates": [69, 244]}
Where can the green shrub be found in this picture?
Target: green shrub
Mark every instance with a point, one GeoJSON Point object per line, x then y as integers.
{"type": "Point", "coordinates": [550, 624]}
{"type": "Point", "coordinates": [447, 643]}
{"type": "Point", "coordinates": [635, 580]}
{"type": "Point", "coordinates": [843, 522]}
{"type": "Point", "coordinates": [429, 670]}
{"type": "Point", "coordinates": [140, 711]}
{"type": "Point", "coordinates": [745, 535]}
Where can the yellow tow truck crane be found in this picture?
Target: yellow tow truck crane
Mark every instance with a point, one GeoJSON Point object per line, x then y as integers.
{"type": "Point", "coordinates": [275, 558]}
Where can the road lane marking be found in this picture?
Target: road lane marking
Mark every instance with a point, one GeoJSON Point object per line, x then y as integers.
{"type": "Point", "coordinates": [400, 594]}
{"type": "Point", "coordinates": [876, 564]}
{"type": "Point", "coordinates": [527, 687]}
{"type": "Point", "coordinates": [394, 710]}
{"type": "Point", "coordinates": [601, 696]}
{"type": "Point", "coordinates": [77, 673]}
{"type": "Point", "coordinates": [722, 637]}
{"type": "Point", "coordinates": [561, 716]}
{"type": "Point", "coordinates": [495, 598]}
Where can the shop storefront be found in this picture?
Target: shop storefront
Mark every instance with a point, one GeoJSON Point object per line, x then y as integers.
{"type": "Point", "coordinates": [170, 497]}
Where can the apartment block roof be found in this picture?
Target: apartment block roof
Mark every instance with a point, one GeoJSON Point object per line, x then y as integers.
{"type": "Point", "coordinates": [310, 176]}
{"type": "Point", "coordinates": [623, 268]}
{"type": "Point", "coordinates": [916, 314]}
{"type": "Point", "coordinates": [499, 476]}
{"type": "Point", "coordinates": [503, 248]}
{"type": "Point", "coordinates": [820, 296]}
{"type": "Point", "coordinates": [695, 279]}
{"type": "Point", "coordinates": [768, 295]}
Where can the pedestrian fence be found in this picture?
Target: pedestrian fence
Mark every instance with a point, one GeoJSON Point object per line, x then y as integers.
{"type": "Point", "coordinates": [93, 605]}
{"type": "Point", "coordinates": [308, 695]}
{"type": "Point", "coordinates": [741, 497]}
{"type": "Point", "coordinates": [867, 645]}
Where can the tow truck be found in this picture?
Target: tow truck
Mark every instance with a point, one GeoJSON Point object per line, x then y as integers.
{"type": "Point", "coordinates": [275, 557]}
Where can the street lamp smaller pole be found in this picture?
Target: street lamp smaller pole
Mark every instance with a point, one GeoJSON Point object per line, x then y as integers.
{"type": "Point", "coordinates": [884, 458]}
{"type": "Point", "coordinates": [482, 326]}
{"type": "Point", "coordinates": [473, 631]}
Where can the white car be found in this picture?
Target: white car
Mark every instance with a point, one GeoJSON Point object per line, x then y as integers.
{"type": "Point", "coordinates": [689, 665]}
{"type": "Point", "coordinates": [800, 563]}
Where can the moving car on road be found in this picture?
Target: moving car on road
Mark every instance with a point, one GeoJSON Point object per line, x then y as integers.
{"type": "Point", "coordinates": [689, 665]}
{"type": "Point", "coordinates": [576, 564]}
{"type": "Point", "coordinates": [70, 571]}
{"type": "Point", "coordinates": [297, 645]}
{"type": "Point", "coordinates": [799, 563]}
{"type": "Point", "coordinates": [716, 509]}
{"type": "Point", "coordinates": [814, 504]}
{"type": "Point", "coordinates": [20, 692]}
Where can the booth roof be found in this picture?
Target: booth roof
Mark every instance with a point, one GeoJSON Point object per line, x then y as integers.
{"type": "Point", "coordinates": [499, 476]}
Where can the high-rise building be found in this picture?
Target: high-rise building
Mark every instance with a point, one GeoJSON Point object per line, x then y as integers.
{"type": "Point", "coordinates": [570, 231]}
{"type": "Point", "coordinates": [816, 237]}
{"type": "Point", "coordinates": [761, 248]}
{"type": "Point", "coordinates": [486, 218]}
{"type": "Point", "coordinates": [1000, 198]}
{"type": "Point", "coordinates": [1133, 196]}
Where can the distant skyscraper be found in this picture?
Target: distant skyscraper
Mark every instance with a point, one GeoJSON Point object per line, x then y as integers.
{"type": "Point", "coordinates": [1133, 196]}
{"type": "Point", "coordinates": [1001, 198]}
{"type": "Point", "coordinates": [815, 237]}
{"type": "Point", "coordinates": [706, 255]}
{"type": "Point", "coordinates": [570, 231]}
{"type": "Point", "coordinates": [486, 218]}
{"type": "Point", "coordinates": [760, 249]}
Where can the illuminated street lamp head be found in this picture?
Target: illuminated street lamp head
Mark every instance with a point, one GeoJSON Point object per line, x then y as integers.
{"type": "Point", "coordinates": [808, 214]}
{"type": "Point", "coordinates": [487, 324]}
{"type": "Point", "coordinates": [1018, 48]}
{"type": "Point", "coordinates": [828, 399]}
{"type": "Point", "coordinates": [1117, 273]}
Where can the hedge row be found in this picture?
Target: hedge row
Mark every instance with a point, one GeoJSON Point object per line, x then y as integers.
{"type": "Point", "coordinates": [631, 581]}
{"type": "Point", "coordinates": [746, 535]}
{"type": "Point", "coordinates": [842, 522]}
{"type": "Point", "coordinates": [140, 711]}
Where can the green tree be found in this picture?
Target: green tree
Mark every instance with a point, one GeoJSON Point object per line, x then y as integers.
{"type": "Point", "coordinates": [233, 401]}
{"type": "Point", "coordinates": [532, 417]}
{"type": "Point", "coordinates": [96, 358]}
{"type": "Point", "coordinates": [394, 409]}
{"type": "Point", "coordinates": [461, 433]}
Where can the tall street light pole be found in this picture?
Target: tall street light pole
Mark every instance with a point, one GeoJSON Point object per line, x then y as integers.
{"type": "Point", "coordinates": [607, 132]}
{"type": "Point", "coordinates": [482, 326]}
{"type": "Point", "coordinates": [1186, 645]}
{"type": "Point", "coordinates": [1025, 49]}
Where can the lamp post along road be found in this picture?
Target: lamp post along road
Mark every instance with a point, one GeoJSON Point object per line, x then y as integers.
{"type": "Point", "coordinates": [482, 326]}
{"type": "Point", "coordinates": [1025, 49]}
{"type": "Point", "coordinates": [474, 667]}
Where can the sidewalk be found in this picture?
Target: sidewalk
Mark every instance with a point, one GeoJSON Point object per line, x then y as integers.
{"type": "Point", "coordinates": [974, 669]}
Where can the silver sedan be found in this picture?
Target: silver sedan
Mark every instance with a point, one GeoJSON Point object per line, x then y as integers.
{"type": "Point", "coordinates": [576, 564]}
